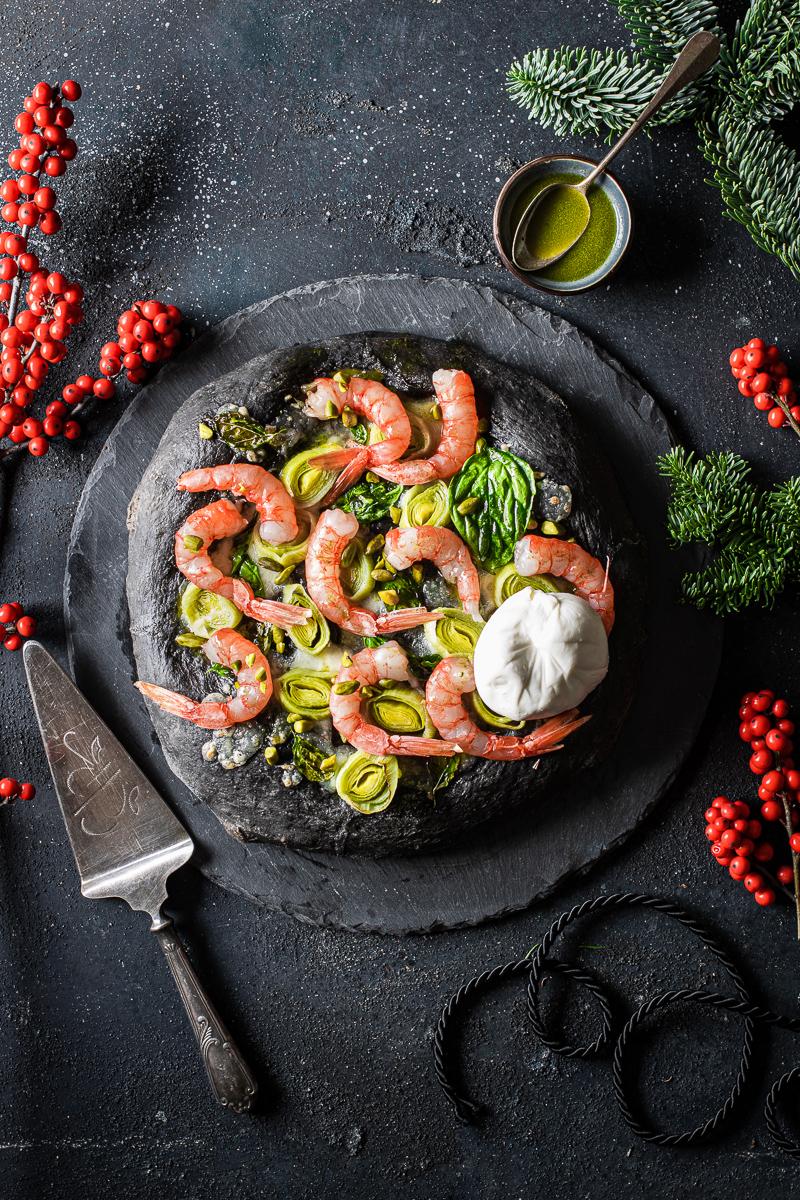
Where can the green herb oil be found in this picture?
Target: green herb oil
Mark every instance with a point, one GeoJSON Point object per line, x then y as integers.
{"type": "Point", "coordinates": [557, 217]}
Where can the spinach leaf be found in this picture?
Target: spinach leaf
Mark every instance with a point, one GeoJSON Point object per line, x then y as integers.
{"type": "Point", "coordinates": [244, 567]}
{"type": "Point", "coordinates": [447, 773]}
{"type": "Point", "coordinates": [219, 669]}
{"type": "Point", "coordinates": [497, 489]}
{"type": "Point", "coordinates": [243, 433]}
{"type": "Point", "coordinates": [372, 642]}
{"type": "Point", "coordinates": [408, 592]}
{"type": "Point", "coordinates": [370, 501]}
{"type": "Point", "coordinates": [309, 758]}
{"type": "Point", "coordinates": [421, 665]}
{"type": "Point", "coordinates": [360, 433]}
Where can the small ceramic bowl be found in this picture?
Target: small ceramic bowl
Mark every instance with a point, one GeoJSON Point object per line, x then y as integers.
{"type": "Point", "coordinates": [508, 201]}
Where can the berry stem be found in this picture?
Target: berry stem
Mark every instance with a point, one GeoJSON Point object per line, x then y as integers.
{"type": "Point", "coordinates": [784, 407]}
{"type": "Point", "coordinates": [795, 860]}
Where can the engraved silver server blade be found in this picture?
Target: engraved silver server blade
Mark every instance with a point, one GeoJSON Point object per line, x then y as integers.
{"type": "Point", "coordinates": [126, 843]}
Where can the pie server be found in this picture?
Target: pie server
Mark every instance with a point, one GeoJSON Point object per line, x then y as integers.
{"type": "Point", "coordinates": [126, 843]}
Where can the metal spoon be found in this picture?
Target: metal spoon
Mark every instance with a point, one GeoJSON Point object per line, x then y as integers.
{"type": "Point", "coordinates": [699, 53]}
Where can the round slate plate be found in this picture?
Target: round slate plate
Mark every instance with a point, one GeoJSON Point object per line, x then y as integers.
{"type": "Point", "coordinates": [506, 865]}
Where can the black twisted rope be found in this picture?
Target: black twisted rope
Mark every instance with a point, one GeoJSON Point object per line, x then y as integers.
{"type": "Point", "coordinates": [538, 964]}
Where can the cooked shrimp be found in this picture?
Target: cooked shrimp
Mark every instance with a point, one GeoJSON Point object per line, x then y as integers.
{"type": "Point", "coordinates": [445, 550]}
{"type": "Point", "coordinates": [368, 668]}
{"type": "Point", "coordinates": [253, 686]}
{"type": "Point", "coordinates": [193, 542]}
{"type": "Point", "coordinates": [456, 397]}
{"type": "Point", "coordinates": [550, 556]}
{"type": "Point", "coordinates": [333, 533]}
{"type": "Point", "coordinates": [275, 506]}
{"type": "Point", "coordinates": [449, 680]}
{"type": "Point", "coordinates": [378, 405]}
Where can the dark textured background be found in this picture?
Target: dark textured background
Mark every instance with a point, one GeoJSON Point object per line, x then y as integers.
{"type": "Point", "coordinates": [230, 151]}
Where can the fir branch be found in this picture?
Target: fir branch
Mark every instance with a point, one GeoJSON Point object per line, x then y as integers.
{"type": "Point", "coordinates": [585, 91]}
{"type": "Point", "coordinates": [660, 27]}
{"type": "Point", "coordinates": [755, 534]}
{"type": "Point", "coordinates": [760, 68]}
{"type": "Point", "coordinates": [758, 176]}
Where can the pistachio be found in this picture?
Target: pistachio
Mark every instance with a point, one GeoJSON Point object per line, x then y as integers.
{"type": "Point", "coordinates": [303, 725]}
{"type": "Point", "coordinates": [470, 505]}
{"type": "Point", "coordinates": [533, 523]}
{"type": "Point", "coordinates": [346, 687]}
{"type": "Point", "coordinates": [189, 639]}
{"type": "Point", "coordinates": [346, 660]}
{"type": "Point", "coordinates": [250, 660]}
{"type": "Point", "coordinates": [285, 574]}
{"type": "Point", "coordinates": [331, 410]}
{"type": "Point", "coordinates": [376, 544]}
{"type": "Point", "coordinates": [480, 445]}
{"type": "Point", "coordinates": [381, 576]}
{"type": "Point", "coordinates": [205, 431]}
{"type": "Point", "coordinates": [417, 572]}
{"type": "Point", "coordinates": [389, 596]}
{"type": "Point", "coordinates": [328, 764]}
{"type": "Point", "coordinates": [395, 513]}
{"type": "Point", "coordinates": [436, 412]}
{"type": "Point", "coordinates": [271, 755]}
{"type": "Point", "coordinates": [291, 717]}
{"type": "Point", "coordinates": [260, 674]}
{"type": "Point", "coordinates": [483, 425]}
{"type": "Point", "coordinates": [262, 687]}
{"type": "Point", "coordinates": [550, 529]}
{"type": "Point", "coordinates": [349, 418]}
{"type": "Point", "coordinates": [193, 543]}
{"type": "Point", "coordinates": [367, 692]}
{"type": "Point", "coordinates": [371, 477]}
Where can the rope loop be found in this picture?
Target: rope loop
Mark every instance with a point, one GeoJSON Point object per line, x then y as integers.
{"type": "Point", "coordinates": [541, 964]}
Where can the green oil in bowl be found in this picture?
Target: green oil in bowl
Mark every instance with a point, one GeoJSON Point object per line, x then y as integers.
{"type": "Point", "coordinates": [557, 220]}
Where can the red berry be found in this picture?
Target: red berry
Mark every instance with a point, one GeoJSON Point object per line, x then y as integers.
{"type": "Point", "coordinates": [72, 430]}
{"type": "Point", "coordinates": [711, 833]}
{"type": "Point", "coordinates": [8, 788]}
{"type": "Point", "coordinates": [720, 855]}
{"type": "Point", "coordinates": [785, 875]}
{"type": "Point", "coordinates": [794, 843]}
{"type": "Point", "coordinates": [745, 847]}
{"type": "Point", "coordinates": [31, 427]}
{"type": "Point", "coordinates": [761, 382]}
{"type": "Point", "coordinates": [26, 791]}
{"type": "Point", "coordinates": [54, 166]}
{"type": "Point", "coordinates": [754, 829]}
{"type": "Point", "coordinates": [762, 701]}
{"type": "Point", "coordinates": [764, 852]}
{"type": "Point", "coordinates": [786, 726]}
{"type": "Point", "coordinates": [770, 811]}
{"type": "Point", "coordinates": [754, 357]}
{"type": "Point", "coordinates": [776, 417]}
{"type": "Point", "coordinates": [38, 446]}
{"type": "Point", "coordinates": [780, 708]}
{"type": "Point", "coordinates": [718, 801]}
{"type": "Point", "coordinates": [755, 343]}
{"type": "Point", "coordinates": [773, 781]}
{"type": "Point", "coordinates": [103, 388]}
{"type": "Point", "coordinates": [765, 897]}
{"type": "Point", "coordinates": [42, 93]}
{"type": "Point", "coordinates": [777, 741]}
{"type": "Point", "coordinates": [53, 426]}
{"type": "Point", "coordinates": [736, 357]}
{"type": "Point", "coordinates": [71, 90]}
{"type": "Point", "coordinates": [12, 641]}
{"type": "Point", "coordinates": [792, 780]}
{"type": "Point", "coordinates": [64, 117]}
{"type": "Point", "coordinates": [729, 839]}
{"type": "Point", "coordinates": [784, 386]}
{"type": "Point", "coordinates": [26, 626]}
{"type": "Point", "coordinates": [753, 882]}
{"type": "Point", "coordinates": [142, 331]}
{"type": "Point", "coordinates": [763, 401]}
{"type": "Point", "coordinates": [27, 214]}
{"type": "Point", "coordinates": [10, 611]}
{"type": "Point", "coordinates": [85, 383]}
{"type": "Point", "coordinates": [44, 198]}
{"type": "Point", "coordinates": [739, 867]}
{"type": "Point", "coordinates": [760, 761]}
{"type": "Point", "coordinates": [68, 149]}
{"type": "Point", "coordinates": [50, 223]}
{"type": "Point", "coordinates": [745, 732]}
{"type": "Point", "coordinates": [760, 725]}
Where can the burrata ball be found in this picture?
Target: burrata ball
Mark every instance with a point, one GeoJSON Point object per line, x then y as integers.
{"type": "Point", "coordinates": [539, 654]}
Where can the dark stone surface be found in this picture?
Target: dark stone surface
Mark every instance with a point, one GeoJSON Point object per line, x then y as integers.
{"type": "Point", "coordinates": [102, 1091]}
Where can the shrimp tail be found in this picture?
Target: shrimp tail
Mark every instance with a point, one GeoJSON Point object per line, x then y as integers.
{"type": "Point", "coordinates": [554, 730]}
{"type": "Point", "coordinates": [354, 467]}
{"type": "Point", "coordinates": [404, 618]}
{"type": "Point", "coordinates": [332, 460]}
{"type": "Point", "coordinates": [273, 613]}
{"type": "Point", "coordinates": [425, 747]}
{"type": "Point", "coordinates": [209, 716]}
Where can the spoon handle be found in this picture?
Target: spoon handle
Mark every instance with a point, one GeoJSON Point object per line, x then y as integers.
{"type": "Point", "coordinates": [699, 53]}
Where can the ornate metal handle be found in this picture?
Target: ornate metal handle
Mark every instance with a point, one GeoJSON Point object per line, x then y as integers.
{"type": "Point", "coordinates": [231, 1079]}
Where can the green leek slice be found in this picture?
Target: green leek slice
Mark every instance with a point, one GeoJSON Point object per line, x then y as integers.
{"type": "Point", "coordinates": [425, 428]}
{"type": "Point", "coordinates": [308, 485]}
{"type": "Point", "coordinates": [306, 693]}
{"type": "Point", "coordinates": [426, 504]}
{"type": "Point", "coordinates": [368, 782]}
{"type": "Point", "coordinates": [205, 612]}
{"type": "Point", "coordinates": [356, 571]}
{"type": "Point", "coordinates": [400, 708]}
{"type": "Point", "coordinates": [287, 554]}
{"type": "Point", "coordinates": [454, 633]}
{"type": "Point", "coordinates": [508, 581]}
{"type": "Point", "coordinates": [315, 635]}
{"type": "Point", "coordinates": [490, 718]}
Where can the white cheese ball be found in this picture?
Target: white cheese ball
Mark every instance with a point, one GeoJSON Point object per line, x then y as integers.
{"type": "Point", "coordinates": [539, 654]}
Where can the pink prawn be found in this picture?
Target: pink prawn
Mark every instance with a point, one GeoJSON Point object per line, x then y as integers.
{"type": "Point", "coordinates": [252, 692]}
{"type": "Point", "coordinates": [368, 668]}
{"type": "Point", "coordinates": [275, 506]}
{"type": "Point", "coordinates": [193, 542]}
{"type": "Point", "coordinates": [445, 550]}
{"type": "Point", "coordinates": [449, 681]}
{"type": "Point", "coordinates": [550, 556]}
{"type": "Point", "coordinates": [456, 397]}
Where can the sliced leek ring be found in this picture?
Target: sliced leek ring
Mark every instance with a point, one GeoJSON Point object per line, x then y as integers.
{"type": "Point", "coordinates": [426, 504]}
{"type": "Point", "coordinates": [426, 430]}
{"type": "Point", "coordinates": [356, 571]}
{"type": "Point", "coordinates": [287, 554]}
{"type": "Point", "coordinates": [508, 581]}
{"type": "Point", "coordinates": [306, 693]}
{"type": "Point", "coordinates": [454, 633]}
{"type": "Point", "coordinates": [315, 635]}
{"type": "Point", "coordinates": [368, 782]}
{"type": "Point", "coordinates": [203, 613]}
{"type": "Point", "coordinates": [308, 485]}
{"type": "Point", "coordinates": [490, 718]}
{"type": "Point", "coordinates": [400, 708]}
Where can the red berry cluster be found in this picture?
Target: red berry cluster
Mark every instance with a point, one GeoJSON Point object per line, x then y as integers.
{"type": "Point", "coordinates": [44, 149]}
{"type": "Point", "coordinates": [764, 377]}
{"type": "Point", "coordinates": [11, 789]}
{"type": "Point", "coordinates": [766, 726]}
{"type": "Point", "coordinates": [15, 625]}
{"type": "Point", "coordinates": [736, 842]}
{"type": "Point", "coordinates": [147, 334]}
